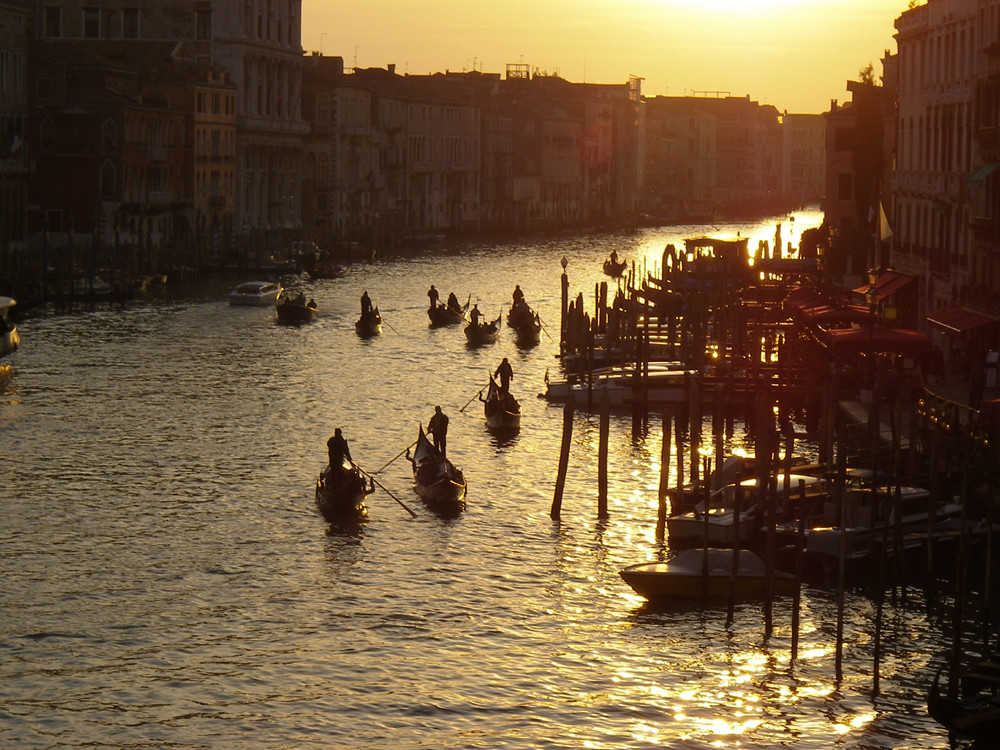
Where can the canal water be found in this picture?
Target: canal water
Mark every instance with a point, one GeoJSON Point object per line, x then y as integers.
{"type": "Point", "coordinates": [167, 582]}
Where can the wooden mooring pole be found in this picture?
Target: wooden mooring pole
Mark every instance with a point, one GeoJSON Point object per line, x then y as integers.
{"type": "Point", "coordinates": [567, 437]}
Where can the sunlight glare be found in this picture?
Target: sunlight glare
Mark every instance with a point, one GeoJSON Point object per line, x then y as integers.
{"type": "Point", "coordinates": [741, 7]}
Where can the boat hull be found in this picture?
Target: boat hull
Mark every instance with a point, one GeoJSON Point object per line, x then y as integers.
{"type": "Point", "coordinates": [441, 316]}
{"type": "Point", "coordinates": [340, 496]}
{"type": "Point", "coordinates": [255, 294]}
{"type": "Point", "coordinates": [482, 334]}
{"type": "Point", "coordinates": [369, 324]}
{"type": "Point", "coordinates": [292, 313]}
{"type": "Point", "coordinates": [436, 480]}
{"type": "Point", "coordinates": [689, 576]}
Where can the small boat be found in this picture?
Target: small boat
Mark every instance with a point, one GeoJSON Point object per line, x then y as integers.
{"type": "Point", "coordinates": [340, 494]}
{"type": "Point", "coordinates": [525, 323]}
{"type": "Point", "coordinates": [369, 324]}
{"type": "Point", "coordinates": [255, 294]}
{"type": "Point", "coordinates": [975, 716]}
{"type": "Point", "coordinates": [436, 479]}
{"type": "Point", "coordinates": [443, 315]}
{"type": "Point", "coordinates": [483, 333]}
{"type": "Point", "coordinates": [713, 522]}
{"type": "Point", "coordinates": [614, 268]}
{"type": "Point", "coordinates": [503, 413]}
{"type": "Point", "coordinates": [330, 271]}
{"type": "Point", "coordinates": [296, 310]}
{"type": "Point", "coordinates": [10, 339]}
{"type": "Point", "coordinates": [664, 383]}
{"type": "Point", "coordinates": [709, 572]}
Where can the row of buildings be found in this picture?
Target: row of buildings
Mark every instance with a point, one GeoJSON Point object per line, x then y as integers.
{"type": "Point", "coordinates": [189, 131]}
{"type": "Point", "coordinates": [913, 190]}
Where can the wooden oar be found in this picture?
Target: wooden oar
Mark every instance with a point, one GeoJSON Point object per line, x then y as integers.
{"type": "Point", "coordinates": [546, 330]}
{"type": "Point", "coordinates": [379, 471]}
{"type": "Point", "coordinates": [382, 486]}
{"type": "Point", "coordinates": [473, 398]}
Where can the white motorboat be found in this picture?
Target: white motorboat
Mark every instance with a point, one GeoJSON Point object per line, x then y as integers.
{"type": "Point", "coordinates": [255, 294]}
{"type": "Point", "coordinates": [665, 382]}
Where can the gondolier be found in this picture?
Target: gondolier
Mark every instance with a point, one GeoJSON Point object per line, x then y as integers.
{"type": "Point", "coordinates": [475, 315]}
{"type": "Point", "coordinates": [438, 427]}
{"type": "Point", "coordinates": [505, 373]}
{"type": "Point", "coordinates": [366, 303]}
{"type": "Point", "coordinates": [338, 449]}
{"type": "Point", "coordinates": [432, 294]}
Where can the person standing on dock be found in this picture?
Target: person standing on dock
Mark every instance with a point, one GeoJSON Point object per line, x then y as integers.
{"type": "Point", "coordinates": [505, 373]}
{"type": "Point", "coordinates": [438, 428]}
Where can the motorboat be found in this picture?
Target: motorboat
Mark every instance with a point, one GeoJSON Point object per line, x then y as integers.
{"type": "Point", "coordinates": [663, 382]}
{"type": "Point", "coordinates": [255, 294]}
{"type": "Point", "coordinates": [717, 521]}
{"type": "Point", "coordinates": [10, 339]}
{"type": "Point", "coordinates": [708, 572]}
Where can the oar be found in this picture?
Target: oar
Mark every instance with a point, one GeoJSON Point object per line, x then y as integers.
{"type": "Point", "coordinates": [379, 471]}
{"type": "Point", "coordinates": [473, 398]}
{"type": "Point", "coordinates": [545, 329]}
{"type": "Point", "coordinates": [375, 481]}
{"type": "Point", "coordinates": [390, 326]}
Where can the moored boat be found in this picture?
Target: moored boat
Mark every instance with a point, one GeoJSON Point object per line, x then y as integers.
{"type": "Point", "coordinates": [706, 572]}
{"type": "Point", "coordinates": [503, 412]}
{"type": "Point", "coordinates": [341, 493]}
{"type": "Point", "coordinates": [479, 334]}
{"type": "Point", "coordinates": [10, 339]}
{"type": "Point", "coordinates": [255, 294]}
{"type": "Point", "coordinates": [437, 481]}
{"type": "Point", "coordinates": [369, 324]}
{"type": "Point", "coordinates": [975, 715]}
{"type": "Point", "coordinates": [296, 310]}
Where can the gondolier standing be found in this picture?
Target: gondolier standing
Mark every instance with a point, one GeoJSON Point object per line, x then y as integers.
{"type": "Point", "coordinates": [432, 294]}
{"type": "Point", "coordinates": [438, 427]}
{"type": "Point", "coordinates": [505, 372]}
{"type": "Point", "coordinates": [366, 303]}
{"type": "Point", "coordinates": [337, 447]}
{"type": "Point", "coordinates": [475, 315]}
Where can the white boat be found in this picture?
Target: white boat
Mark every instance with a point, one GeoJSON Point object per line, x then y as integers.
{"type": "Point", "coordinates": [713, 522]}
{"type": "Point", "coordinates": [706, 572]}
{"type": "Point", "coordinates": [255, 294]}
{"type": "Point", "coordinates": [863, 533]}
{"type": "Point", "coordinates": [665, 382]}
{"type": "Point", "coordinates": [10, 339]}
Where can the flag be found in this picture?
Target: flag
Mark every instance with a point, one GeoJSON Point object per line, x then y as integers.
{"type": "Point", "coordinates": [884, 230]}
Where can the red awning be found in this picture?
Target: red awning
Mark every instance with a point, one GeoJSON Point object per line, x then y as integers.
{"type": "Point", "coordinates": [887, 283]}
{"type": "Point", "coordinates": [877, 339]}
{"type": "Point", "coordinates": [956, 319]}
{"type": "Point", "coordinates": [834, 314]}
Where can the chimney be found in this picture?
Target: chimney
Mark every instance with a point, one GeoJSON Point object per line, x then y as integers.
{"type": "Point", "coordinates": [391, 67]}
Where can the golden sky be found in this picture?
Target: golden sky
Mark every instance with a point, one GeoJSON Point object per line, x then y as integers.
{"type": "Point", "coordinates": [794, 54]}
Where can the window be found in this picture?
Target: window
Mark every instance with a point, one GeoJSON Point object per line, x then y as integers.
{"type": "Point", "coordinates": [53, 22]}
{"type": "Point", "coordinates": [92, 23]}
{"type": "Point", "coordinates": [130, 23]}
{"type": "Point", "coordinates": [203, 24]}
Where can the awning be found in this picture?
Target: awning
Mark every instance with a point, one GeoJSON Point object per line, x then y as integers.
{"type": "Point", "coordinates": [827, 315]}
{"type": "Point", "coordinates": [877, 339]}
{"type": "Point", "coordinates": [982, 173]}
{"type": "Point", "coordinates": [887, 283]}
{"type": "Point", "coordinates": [956, 319]}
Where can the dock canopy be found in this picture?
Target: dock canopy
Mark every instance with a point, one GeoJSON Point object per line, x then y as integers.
{"type": "Point", "coordinates": [886, 284]}
{"type": "Point", "coordinates": [835, 314]}
{"type": "Point", "coordinates": [877, 339]}
{"type": "Point", "coordinates": [956, 319]}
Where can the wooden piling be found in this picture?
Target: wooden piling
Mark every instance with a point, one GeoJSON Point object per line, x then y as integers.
{"type": "Point", "coordinates": [661, 510]}
{"type": "Point", "coordinates": [567, 437]}
{"type": "Point", "coordinates": [602, 457]}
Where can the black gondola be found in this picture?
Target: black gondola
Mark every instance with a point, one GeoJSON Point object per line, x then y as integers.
{"type": "Point", "coordinates": [341, 493]}
{"type": "Point", "coordinates": [436, 479]}
{"type": "Point", "coordinates": [483, 333]}
{"type": "Point", "coordinates": [443, 315]}
{"type": "Point", "coordinates": [369, 324]}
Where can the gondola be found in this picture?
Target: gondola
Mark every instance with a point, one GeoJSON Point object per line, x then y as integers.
{"type": "Point", "coordinates": [442, 315]}
{"type": "Point", "coordinates": [483, 333]}
{"type": "Point", "coordinates": [436, 479]}
{"type": "Point", "coordinates": [369, 324]}
{"type": "Point", "coordinates": [340, 494]}
{"type": "Point", "coordinates": [974, 718]}
{"type": "Point", "coordinates": [615, 269]}
{"type": "Point", "coordinates": [296, 310]}
{"type": "Point", "coordinates": [503, 412]}
{"type": "Point", "coordinates": [525, 323]}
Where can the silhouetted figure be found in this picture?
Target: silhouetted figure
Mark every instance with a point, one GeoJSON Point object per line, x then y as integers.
{"type": "Point", "coordinates": [366, 303]}
{"type": "Point", "coordinates": [432, 294]}
{"type": "Point", "coordinates": [438, 428]}
{"type": "Point", "coordinates": [475, 315]}
{"type": "Point", "coordinates": [504, 372]}
{"type": "Point", "coordinates": [338, 450]}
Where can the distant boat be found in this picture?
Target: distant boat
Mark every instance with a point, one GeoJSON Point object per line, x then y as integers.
{"type": "Point", "coordinates": [369, 324]}
{"type": "Point", "coordinates": [483, 333]}
{"type": "Point", "coordinates": [296, 310]}
{"type": "Point", "coordinates": [10, 339]}
{"type": "Point", "coordinates": [341, 493]}
{"type": "Point", "coordinates": [443, 315]}
{"type": "Point", "coordinates": [615, 268]}
{"type": "Point", "coordinates": [255, 294]}
{"type": "Point", "coordinates": [436, 479]}
{"type": "Point", "coordinates": [503, 413]}
{"type": "Point", "coordinates": [696, 572]}
{"type": "Point", "coordinates": [525, 323]}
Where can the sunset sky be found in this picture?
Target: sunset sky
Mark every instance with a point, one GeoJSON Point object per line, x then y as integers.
{"type": "Point", "coordinates": [794, 54]}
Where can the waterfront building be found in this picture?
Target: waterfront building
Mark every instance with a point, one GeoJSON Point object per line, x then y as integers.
{"type": "Point", "coordinates": [15, 18]}
{"type": "Point", "coordinates": [803, 159]}
{"type": "Point", "coordinates": [945, 216]}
